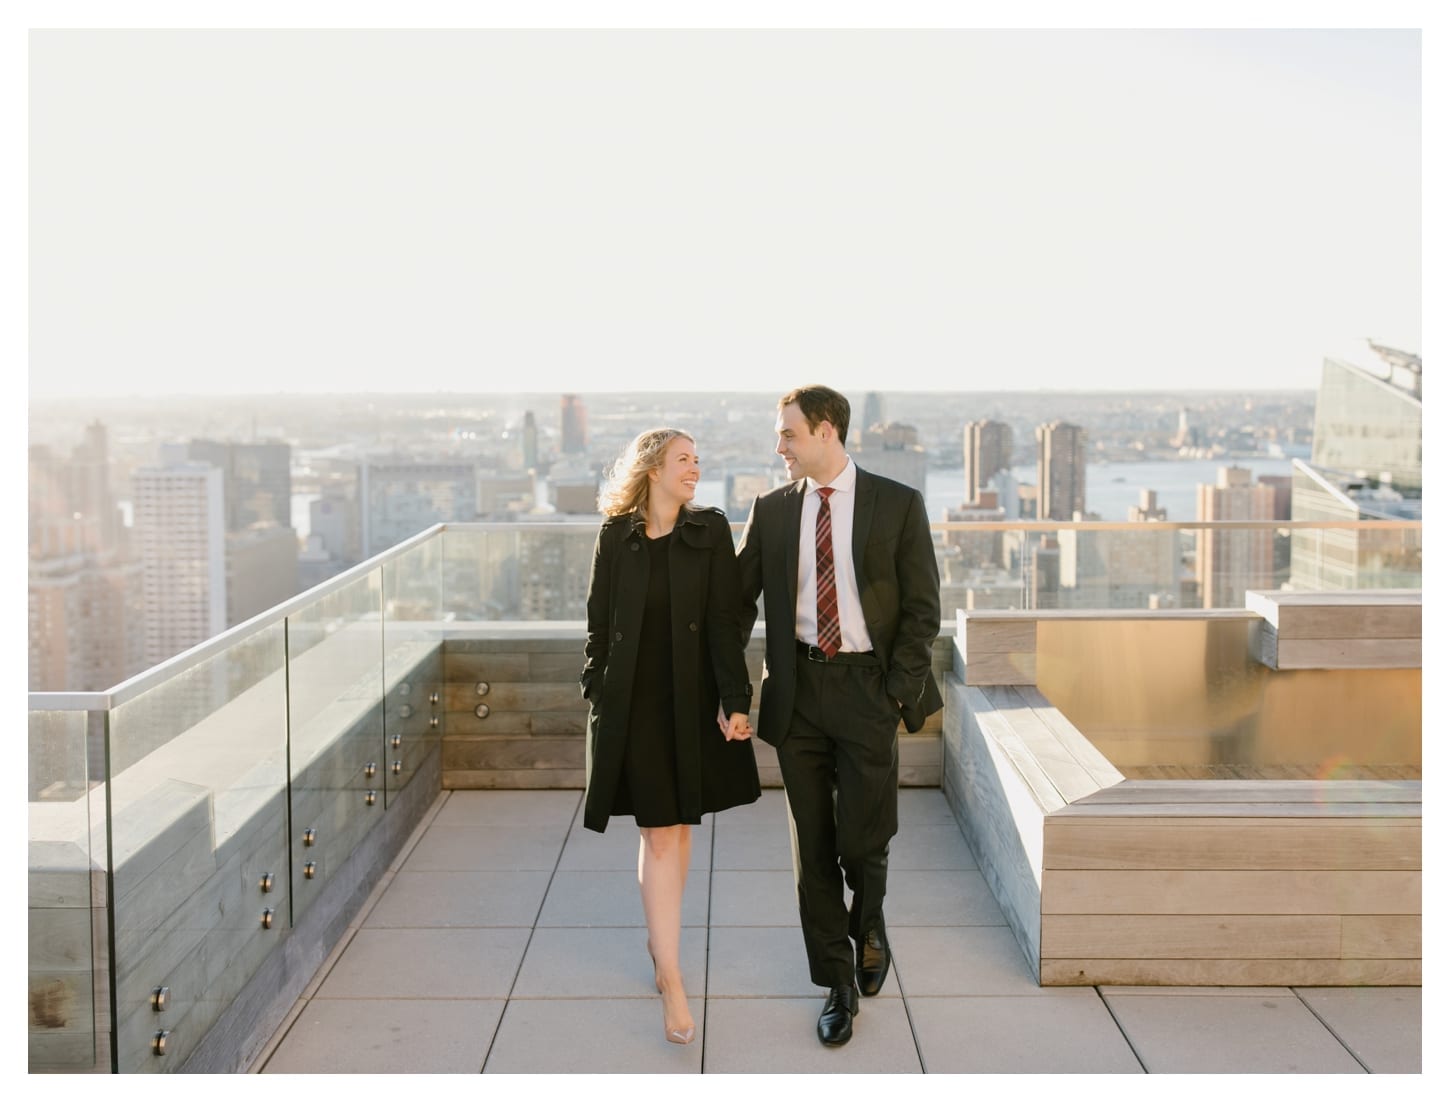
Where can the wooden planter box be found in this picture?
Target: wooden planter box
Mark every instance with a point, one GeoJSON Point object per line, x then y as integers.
{"type": "Point", "coordinates": [1192, 872]}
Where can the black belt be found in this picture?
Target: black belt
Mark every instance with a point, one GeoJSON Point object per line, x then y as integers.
{"type": "Point", "coordinates": [840, 658]}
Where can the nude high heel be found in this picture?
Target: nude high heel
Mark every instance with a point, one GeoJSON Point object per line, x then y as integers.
{"type": "Point", "coordinates": [676, 1036]}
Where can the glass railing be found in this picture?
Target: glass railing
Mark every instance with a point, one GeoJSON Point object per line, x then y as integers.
{"type": "Point", "coordinates": [184, 822]}
{"type": "Point", "coordinates": [66, 794]}
{"type": "Point", "coordinates": [1093, 565]}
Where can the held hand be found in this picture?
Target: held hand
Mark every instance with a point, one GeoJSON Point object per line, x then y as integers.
{"type": "Point", "coordinates": [739, 727]}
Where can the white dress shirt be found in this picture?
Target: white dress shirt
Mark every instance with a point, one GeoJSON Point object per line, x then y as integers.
{"type": "Point", "coordinates": [854, 636]}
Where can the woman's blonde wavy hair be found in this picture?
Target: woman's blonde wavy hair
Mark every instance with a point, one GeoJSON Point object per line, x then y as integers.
{"type": "Point", "coordinates": [626, 488]}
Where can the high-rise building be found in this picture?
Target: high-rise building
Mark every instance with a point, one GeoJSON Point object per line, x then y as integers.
{"type": "Point", "coordinates": [334, 522]}
{"type": "Point", "coordinates": [1365, 464]}
{"type": "Point", "coordinates": [531, 442]}
{"type": "Point", "coordinates": [1187, 436]}
{"type": "Point", "coordinates": [91, 494]}
{"type": "Point", "coordinates": [1232, 561]}
{"type": "Point", "coordinates": [87, 622]}
{"type": "Point", "coordinates": [400, 497]}
{"type": "Point", "coordinates": [741, 490]}
{"type": "Point", "coordinates": [180, 532]}
{"type": "Point", "coordinates": [1026, 502]}
{"type": "Point", "coordinates": [974, 551]}
{"type": "Point", "coordinates": [893, 452]}
{"type": "Point", "coordinates": [987, 451]}
{"type": "Point", "coordinates": [261, 570]}
{"type": "Point", "coordinates": [873, 413]}
{"type": "Point", "coordinates": [505, 494]}
{"type": "Point", "coordinates": [552, 573]}
{"type": "Point", "coordinates": [1147, 508]}
{"type": "Point", "coordinates": [257, 480]}
{"type": "Point", "coordinates": [577, 494]}
{"type": "Point", "coordinates": [1061, 470]}
{"type": "Point", "coordinates": [573, 425]}
{"type": "Point", "coordinates": [1119, 569]}
{"type": "Point", "coordinates": [1368, 419]}
{"type": "Point", "coordinates": [1283, 487]}
{"type": "Point", "coordinates": [1042, 569]}
{"type": "Point", "coordinates": [86, 612]}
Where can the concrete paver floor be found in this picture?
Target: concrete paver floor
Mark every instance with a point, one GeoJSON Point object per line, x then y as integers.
{"type": "Point", "coordinates": [506, 938]}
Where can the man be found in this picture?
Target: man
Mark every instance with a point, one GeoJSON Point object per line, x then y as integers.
{"type": "Point", "coordinates": [852, 604]}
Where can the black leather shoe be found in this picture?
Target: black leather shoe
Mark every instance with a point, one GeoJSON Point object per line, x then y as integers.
{"type": "Point", "coordinates": [873, 960]}
{"type": "Point", "coordinates": [834, 1025]}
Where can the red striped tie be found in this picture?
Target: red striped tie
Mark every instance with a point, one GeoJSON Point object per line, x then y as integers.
{"type": "Point", "coordinates": [828, 621]}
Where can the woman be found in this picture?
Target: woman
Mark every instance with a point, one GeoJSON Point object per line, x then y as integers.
{"type": "Point", "coordinates": [664, 665]}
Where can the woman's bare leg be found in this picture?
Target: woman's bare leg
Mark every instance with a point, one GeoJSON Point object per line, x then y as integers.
{"type": "Point", "coordinates": [663, 864]}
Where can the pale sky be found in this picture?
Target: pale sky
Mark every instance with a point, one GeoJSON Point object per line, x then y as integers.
{"type": "Point", "coordinates": [259, 211]}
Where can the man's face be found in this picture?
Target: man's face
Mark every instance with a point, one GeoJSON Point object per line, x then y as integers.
{"type": "Point", "coordinates": [806, 453]}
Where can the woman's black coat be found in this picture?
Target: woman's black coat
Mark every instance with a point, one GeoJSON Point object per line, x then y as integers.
{"type": "Point", "coordinates": [708, 658]}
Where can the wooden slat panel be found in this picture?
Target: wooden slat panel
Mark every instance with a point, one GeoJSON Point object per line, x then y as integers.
{"type": "Point", "coordinates": [1062, 768]}
{"type": "Point", "coordinates": [1194, 937]}
{"type": "Point", "coordinates": [985, 636]}
{"type": "Point", "coordinates": [1016, 668]}
{"type": "Point", "coordinates": [1226, 774]}
{"type": "Point", "coordinates": [1243, 792]}
{"type": "Point", "coordinates": [1363, 614]}
{"type": "Point", "coordinates": [1351, 622]}
{"type": "Point", "coordinates": [461, 668]}
{"type": "Point", "coordinates": [514, 696]}
{"type": "Point", "coordinates": [1387, 936]}
{"type": "Point", "coordinates": [1084, 752]}
{"type": "Point", "coordinates": [1262, 810]}
{"type": "Point", "coordinates": [1009, 615]}
{"type": "Point", "coordinates": [495, 723]}
{"type": "Point", "coordinates": [1232, 973]}
{"type": "Point", "coordinates": [1210, 892]}
{"type": "Point", "coordinates": [513, 753]}
{"type": "Point", "coordinates": [60, 939]}
{"type": "Point", "coordinates": [1336, 654]}
{"type": "Point", "coordinates": [1376, 844]}
{"type": "Point", "coordinates": [513, 778]}
{"type": "Point", "coordinates": [558, 723]}
{"type": "Point", "coordinates": [996, 727]}
{"type": "Point", "coordinates": [545, 667]}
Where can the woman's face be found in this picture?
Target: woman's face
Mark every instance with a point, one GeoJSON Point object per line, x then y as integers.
{"type": "Point", "coordinates": [675, 481]}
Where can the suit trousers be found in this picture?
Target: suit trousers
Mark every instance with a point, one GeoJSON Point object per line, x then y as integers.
{"type": "Point", "coordinates": [839, 766]}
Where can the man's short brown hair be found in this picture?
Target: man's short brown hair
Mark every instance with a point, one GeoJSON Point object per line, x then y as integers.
{"type": "Point", "coordinates": [820, 403]}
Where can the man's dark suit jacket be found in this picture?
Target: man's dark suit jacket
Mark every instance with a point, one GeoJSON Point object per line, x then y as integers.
{"type": "Point", "coordinates": [896, 575]}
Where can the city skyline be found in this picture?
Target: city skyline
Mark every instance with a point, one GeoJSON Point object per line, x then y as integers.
{"type": "Point", "coordinates": [357, 478]}
{"type": "Point", "coordinates": [331, 211]}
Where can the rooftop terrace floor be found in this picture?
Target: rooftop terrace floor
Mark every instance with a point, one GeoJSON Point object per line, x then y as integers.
{"type": "Point", "coordinates": [506, 938]}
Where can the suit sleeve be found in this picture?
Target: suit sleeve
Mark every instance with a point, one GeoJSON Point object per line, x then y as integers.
{"type": "Point", "coordinates": [722, 619]}
{"type": "Point", "coordinates": [596, 642]}
{"type": "Point", "coordinates": [919, 620]}
{"type": "Point", "coordinates": [751, 579]}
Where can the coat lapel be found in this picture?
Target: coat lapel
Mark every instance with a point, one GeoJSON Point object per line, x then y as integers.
{"type": "Point", "coordinates": [791, 529]}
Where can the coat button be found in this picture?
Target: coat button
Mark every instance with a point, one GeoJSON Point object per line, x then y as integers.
{"type": "Point", "coordinates": [694, 626]}
{"type": "Point", "coordinates": [634, 546]}
{"type": "Point", "coordinates": [618, 635]}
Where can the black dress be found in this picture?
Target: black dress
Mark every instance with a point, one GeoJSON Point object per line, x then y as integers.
{"type": "Point", "coordinates": [663, 652]}
{"type": "Point", "coordinates": [648, 788]}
